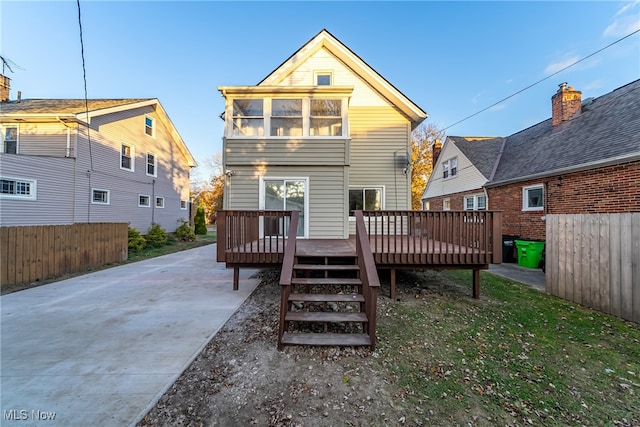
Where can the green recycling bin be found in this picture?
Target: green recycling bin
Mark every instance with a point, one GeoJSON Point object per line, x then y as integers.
{"type": "Point", "coordinates": [529, 253]}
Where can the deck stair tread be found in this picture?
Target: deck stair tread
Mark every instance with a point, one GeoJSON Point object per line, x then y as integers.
{"type": "Point", "coordinates": [321, 316]}
{"type": "Point", "coordinates": [326, 267]}
{"type": "Point", "coordinates": [297, 296]}
{"type": "Point", "coordinates": [325, 281]}
{"type": "Point", "coordinates": [304, 338]}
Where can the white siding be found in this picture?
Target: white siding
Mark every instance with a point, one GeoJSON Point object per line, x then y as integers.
{"type": "Point", "coordinates": [468, 177]}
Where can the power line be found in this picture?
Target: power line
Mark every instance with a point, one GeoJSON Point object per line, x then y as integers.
{"type": "Point", "coordinates": [84, 76]}
{"type": "Point", "coordinates": [540, 81]}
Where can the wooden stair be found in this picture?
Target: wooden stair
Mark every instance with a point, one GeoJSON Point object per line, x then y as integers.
{"type": "Point", "coordinates": [325, 306]}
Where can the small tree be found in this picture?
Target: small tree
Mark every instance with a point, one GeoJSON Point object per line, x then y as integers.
{"type": "Point", "coordinates": [157, 236]}
{"type": "Point", "coordinates": [136, 241]}
{"type": "Point", "coordinates": [201, 226]}
{"type": "Point", "coordinates": [184, 232]}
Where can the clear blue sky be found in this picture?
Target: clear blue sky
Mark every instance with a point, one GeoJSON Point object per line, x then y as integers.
{"type": "Point", "coordinates": [451, 58]}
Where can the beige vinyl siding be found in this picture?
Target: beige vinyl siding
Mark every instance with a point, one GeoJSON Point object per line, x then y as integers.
{"type": "Point", "coordinates": [377, 134]}
{"type": "Point", "coordinates": [54, 190]}
{"type": "Point", "coordinates": [312, 152]}
{"type": "Point", "coordinates": [326, 193]}
{"type": "Point", "coordinates": [323, 60]}
{"type": "Point", "coordinates": [43, 139]}
{"type": "Point", "coordinates": [172, 182]}
{"type": "Point", "coordinates": [468, 176]}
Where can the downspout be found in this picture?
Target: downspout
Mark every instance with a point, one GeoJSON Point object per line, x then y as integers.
{"type": "Point", "coordinates": [153, 201]}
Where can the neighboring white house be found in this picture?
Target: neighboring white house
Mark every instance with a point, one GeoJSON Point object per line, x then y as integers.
{"type": "Point", "coordinates": [325, 134]}
{"type": "Point", "coordinates": [124, 161]}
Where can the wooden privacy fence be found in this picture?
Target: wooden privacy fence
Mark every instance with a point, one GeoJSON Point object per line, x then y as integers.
{"type": "Point", "coordinates": [594, 260]}
{"type": "Point", "coordinates": [33, 253]}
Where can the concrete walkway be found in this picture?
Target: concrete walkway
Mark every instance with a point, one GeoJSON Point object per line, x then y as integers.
{"type": "Point", "coordinates": [100, 349]}
{"type": "Point", "coordinates": [529, 276]}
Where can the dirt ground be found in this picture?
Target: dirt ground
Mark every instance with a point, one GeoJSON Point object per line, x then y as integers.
{"type": "Point", "coordinates": [241, 379]}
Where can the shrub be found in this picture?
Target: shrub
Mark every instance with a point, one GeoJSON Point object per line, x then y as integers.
{"type": "Point", "coordinates": [137, 242]}
{"type": "Point", "coordinates": [156, 236]}
{"type": "Point", "coordinates": [201, 226]}
{"type": "Point", "coordinates": [184, 232]}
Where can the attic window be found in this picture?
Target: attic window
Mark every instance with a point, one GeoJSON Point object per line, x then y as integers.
{"type": "Point", "coordinates": [149, 127]}
{"type": "Point", "coordinates": [323, 79]}
{"type": "Point", "coordinates": [450, 168]}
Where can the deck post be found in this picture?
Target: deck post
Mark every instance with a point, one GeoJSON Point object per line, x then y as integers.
{"type": "Point", "coordinates": [236, 278]}
{"type": "Point", "coordinates": [476, 283]}
{"type": "Point", "coordinates": [392, 293]}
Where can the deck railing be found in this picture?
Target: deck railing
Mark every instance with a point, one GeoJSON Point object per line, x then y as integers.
{"type": "Point", "coordinates": [368, 276]}
{"type": "Point", "coordinates": [252, 236]}
{"type": "Point", "coordinates": [286, 273]}
{"type": "Point", "coordinates": [430, 237]}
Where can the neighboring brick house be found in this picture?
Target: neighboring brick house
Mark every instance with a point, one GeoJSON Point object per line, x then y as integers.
{"type": "Point", "coordinates": [584, 159]}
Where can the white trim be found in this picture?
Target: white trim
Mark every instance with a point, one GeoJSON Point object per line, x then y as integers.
{"type": "Point", "coordinates": [153, 126]}
{"type": "Point", "coordinates": [446, 201]}
{"type": "Point", "coordinates": [475, 198]}
{"type": "Point", "coordinates": [525, 198]}
{"type": "Point", "coordinates": [93, 190]}
{"type": "Point", "coordinates": [155, 164]}
{"type": "Point", "coordinates": [367, 187]}
{"type": "Point", "coordinates": [317, 73]}
{"type": "Point", "coordinates": [261, 195]}
{"type": "Point", "coordinates": [4, 128]}
{"type": "Point", "coordinates": [186, 205]}
{"type": "Point", "coordinates": [148, 205]}
{"type": "Point", "coordinates": [33, 189]}
{"type": "Point", "coordinates": [446, 165]}
{"type": "Point", "coordinates": [158, 199]}
{"type": "Point", "coordinates": [132, 156]}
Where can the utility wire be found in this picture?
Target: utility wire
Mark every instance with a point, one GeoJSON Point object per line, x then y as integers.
{"type": "Point", "coordinates": [84, 76]}
{"type": "Point", "coordinates": [540, 81]}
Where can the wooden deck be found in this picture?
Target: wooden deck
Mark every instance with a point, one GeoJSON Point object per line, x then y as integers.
{"type": "Point", "coordinates": [398, 240]}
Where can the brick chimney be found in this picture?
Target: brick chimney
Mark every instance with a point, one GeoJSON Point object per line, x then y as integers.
{"type": "Point", "coordinates": [564, 104]}
{"type": "Point", "coordinates": [5, 85]}
{"type": "Point", "coordinates": [435, 153]}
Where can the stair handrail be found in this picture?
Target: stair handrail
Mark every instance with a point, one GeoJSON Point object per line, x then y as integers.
{"type": "Point", "coordinates": [368, 276]}
{"type": "Point", "coordinates": [286, 273]}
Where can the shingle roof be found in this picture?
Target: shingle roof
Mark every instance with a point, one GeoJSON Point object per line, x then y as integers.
{"type": "Point", "coordinates": [607, 128]}
{"type": "Point", "coordinates": [482, 152]}
{"type": "Point", "coordinates": [62, 106]}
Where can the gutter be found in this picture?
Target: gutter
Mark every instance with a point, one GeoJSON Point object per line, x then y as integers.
{"type": "Point", "coordinates": [585, 166]}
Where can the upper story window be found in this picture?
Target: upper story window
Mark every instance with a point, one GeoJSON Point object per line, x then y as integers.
{"type": "Point", "coordinates": [17, 188]}
{"type": "Point", "coordinates": [286, 117]}
{"type": "Point", "coordinates": [126, 157]}
{"type": "Point", "coordinates": [323, 78]}
{"type": "Point", "coordinates": [477, 202]}
{"type": "Point", "coordinates": [325, 117]}
{"type": "Point", "coordinates": [149, 126]}
{"type": "Point", "coordinates": [183, 204]}
{"type": "Point", "coordinates": [248, 117]}
{"type": "Point", "coordinates": [450, 168]}
{"type": "Point", "coordinates": [10, 143]}
{"type": "Point", "coordinates": [533, 198]}
{"type": "Point", "coordinates": [152, 165]}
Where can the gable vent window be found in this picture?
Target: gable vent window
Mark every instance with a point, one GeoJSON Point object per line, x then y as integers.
{"type": "Point", "coordinates": [323, 79]}
{"type": "Point", "coordinates": [10, 145]}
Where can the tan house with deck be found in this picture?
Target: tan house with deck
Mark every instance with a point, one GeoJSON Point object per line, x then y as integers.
{"type": "Point", "coordinates": [324, 134]}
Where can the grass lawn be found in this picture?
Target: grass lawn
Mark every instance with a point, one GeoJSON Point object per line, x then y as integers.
{"type": "Point", "coordinates": [515, 356]}
{"type": "Point", "coordinates": [172, 246]}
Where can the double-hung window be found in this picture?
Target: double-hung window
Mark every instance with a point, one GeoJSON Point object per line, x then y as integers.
{"type": "Point", "coordinates": [17, 188]}
{"type": "Point", "coordinates": [248, 117]}
{"type": "Point", "coordinates": [476, 202]}
{"type": "Point", "coordinates": [151, 165]}
{"type": "Point", "coordinates": [533, 198]}
{"type": "Point", "coordinates": [450, 168]}
{"type": "Point", "coordinates": [286, 117]}
{"type": "Point", "coordinates": [149, 126]}
{"type": "Point", "coordinates": [10, 143]}
{"type": "Point", "coordinates": [365, 199]}
{"type": "Point", "coordinates": [126, 157]}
